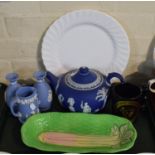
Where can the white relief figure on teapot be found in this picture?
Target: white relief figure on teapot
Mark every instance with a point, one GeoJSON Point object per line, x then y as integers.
{"type": "Point", "coordinates": [61, 98]}
{"type": "Point", "coordinates": [71, 103]}
{"type": "Point", "coordinates": [101, 94]}
{"type": "Point", "coordinates": [85, 107]}
{"type": "Point", "coordinates": [97, 110]}
{"type": "Point", "coordinates": [58, 84]}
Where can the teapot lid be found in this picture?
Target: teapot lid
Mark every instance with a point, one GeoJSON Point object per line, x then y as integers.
{"type": "Point", "coordinates": [84, 79]}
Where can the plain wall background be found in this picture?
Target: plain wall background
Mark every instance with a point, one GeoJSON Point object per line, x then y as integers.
{"type": "Point", "coordinates": [23, 24]}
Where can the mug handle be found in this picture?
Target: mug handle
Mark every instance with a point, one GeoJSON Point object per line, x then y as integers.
{"type": "Point", "coordinates": [150, 84]}
{"type": "Point", "coordinates": [12, 107]}
{"type": "Point", "coordinates": [115, 75]}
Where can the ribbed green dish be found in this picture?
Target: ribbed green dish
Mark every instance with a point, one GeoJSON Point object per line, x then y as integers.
{"type": "Point", "coordinates": [79, 124]}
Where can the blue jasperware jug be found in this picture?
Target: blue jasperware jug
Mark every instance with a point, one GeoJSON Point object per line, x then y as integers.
{"type": "Point", "coordinates": [44, 91]}
{"type": "Point", "coordinates": [83, 89]}
{"type": "Point", "coordinates": [25, 103]}
{"type": "Point", "coordinates": [12, 87]}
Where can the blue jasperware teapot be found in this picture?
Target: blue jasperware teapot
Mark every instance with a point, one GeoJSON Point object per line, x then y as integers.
{"type": "Point", "coordinates": [83, 89]}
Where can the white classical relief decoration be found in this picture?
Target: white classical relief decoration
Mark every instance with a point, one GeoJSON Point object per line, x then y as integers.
{"type": "Point", "coordinates": [101, 94]}
{"type": "Point", "coordinates": [71, 103]}
{"type": "Point", "coordinates": [32, 106]}
{"type": "Point", "coordinates": [89, 86]}
{"type": "Point", "coordinates": [27, 101]}
{"type": "Point", "coordinates": [61, 98]}
{"type": "Point", "coordinates": [49, 96]}
{"type": "Point", "coordinates": [97, 110]}
{"type": "Point", "coordinates": [33, 112]}
{"type": "Point", "coordinates": [85, 107]}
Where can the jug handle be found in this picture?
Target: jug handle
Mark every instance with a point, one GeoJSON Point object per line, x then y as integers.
{"type": "Point", "coordinates": [13, 104]}
{"type": "Point", "coordinates": [150, 84]}
{"type": "Point", "coordinates": [115, 75]}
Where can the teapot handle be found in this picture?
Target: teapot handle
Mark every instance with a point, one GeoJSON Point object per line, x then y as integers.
{"type": "Point", "coordinates": [13, 104]}
{"type": "Point", "coordinates": [114, 75]}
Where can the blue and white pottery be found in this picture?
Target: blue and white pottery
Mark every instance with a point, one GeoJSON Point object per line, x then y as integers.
{"type": "Point", "coordinates": [12, 87]}
{"type": "Point", "coordinates": [44, 91]}
{"type": "Point", "coordinates": [25, 103]}
{"type": "Point", "coordinates": [83, 89]}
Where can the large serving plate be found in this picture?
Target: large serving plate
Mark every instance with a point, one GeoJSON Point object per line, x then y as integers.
{"type": "Point", "coordinates": [85, 38]}
{"type": "Point", "coordinates": [78, 133]}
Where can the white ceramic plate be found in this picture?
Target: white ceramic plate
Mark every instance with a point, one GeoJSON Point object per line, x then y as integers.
{"type": "Point", "coordinates": [2, 152]}
{"type": "Point", "coordinates": [85, 38]}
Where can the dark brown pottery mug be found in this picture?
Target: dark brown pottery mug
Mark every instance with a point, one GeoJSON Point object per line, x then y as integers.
{"type": "Point", "coordinates": [126, 100]}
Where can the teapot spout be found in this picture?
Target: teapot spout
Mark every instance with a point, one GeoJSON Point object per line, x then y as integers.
{"type": "Point", "coordinates": [52, 79]}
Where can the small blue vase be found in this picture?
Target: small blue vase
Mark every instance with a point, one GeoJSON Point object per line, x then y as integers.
{"type": "Point", "coordinates": [12, 87]}
{"type": "Point", "coordinates": [44, 91]}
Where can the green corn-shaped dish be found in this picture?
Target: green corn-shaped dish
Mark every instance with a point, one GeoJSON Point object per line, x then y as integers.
{"type": "Point", "coordinates": [78, 132]}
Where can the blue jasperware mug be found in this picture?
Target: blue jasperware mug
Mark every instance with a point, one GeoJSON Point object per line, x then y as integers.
{"type": "Point", "coordinates": [25, 103]}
